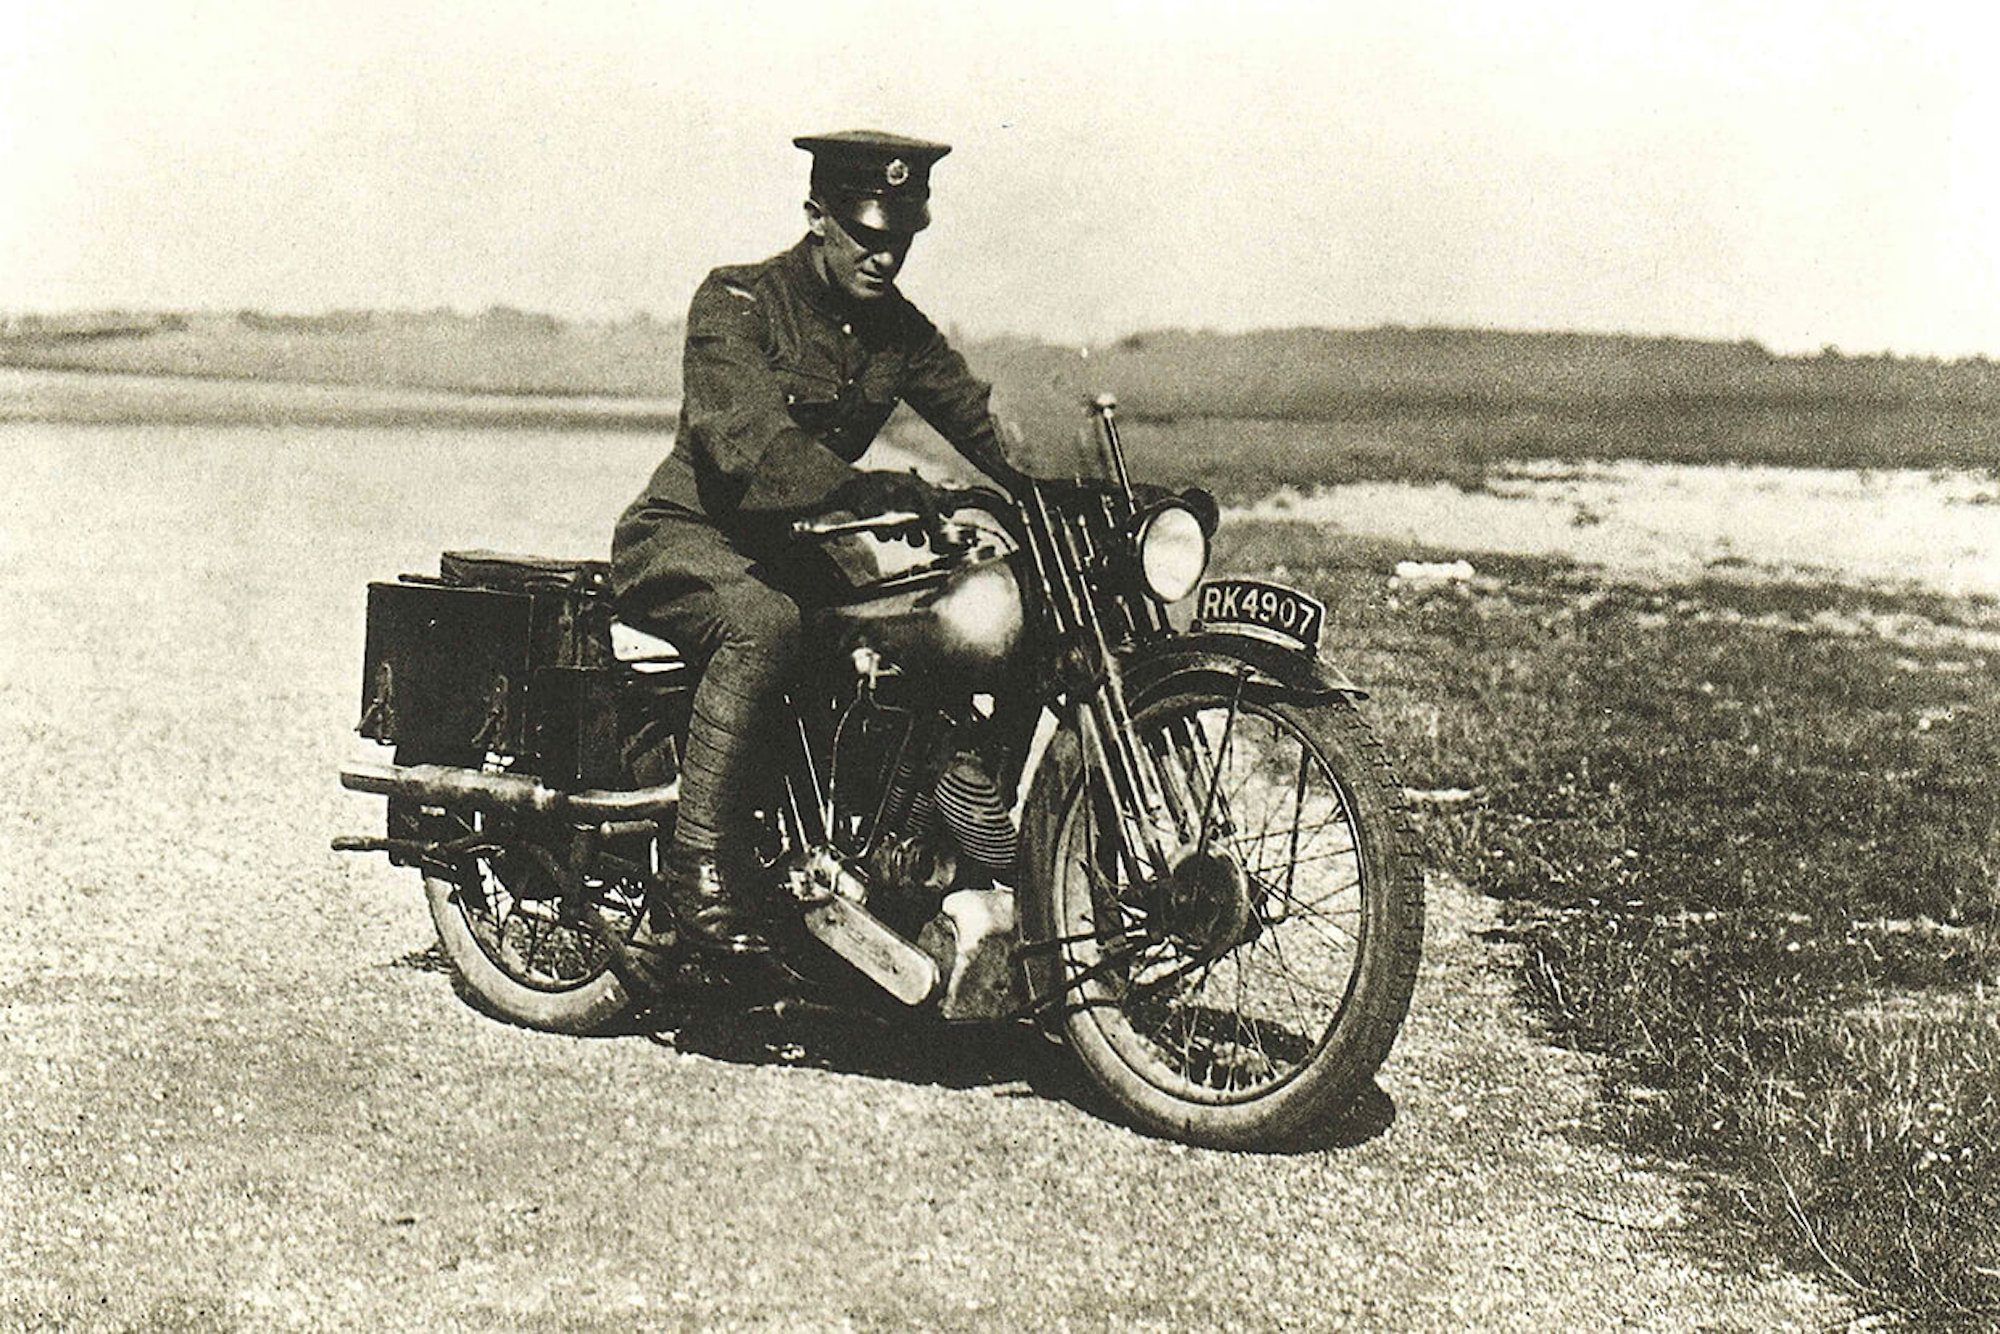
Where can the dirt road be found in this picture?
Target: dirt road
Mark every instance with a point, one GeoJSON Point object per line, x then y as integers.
{"type": "Point", "coordinates": [239, 1095]}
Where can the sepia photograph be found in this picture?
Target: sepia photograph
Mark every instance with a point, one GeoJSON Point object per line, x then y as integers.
{"type": "Point", "coordinates": [1130, 665]}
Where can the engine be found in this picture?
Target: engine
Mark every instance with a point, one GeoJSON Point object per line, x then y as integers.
{"type": "Point", "coordinates": [915, 803]}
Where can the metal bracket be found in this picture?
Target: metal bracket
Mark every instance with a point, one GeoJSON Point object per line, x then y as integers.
{"type": "Point", "coordinates": [416, 848]}
{"type": "Point", "coordinates": [1036, 1006]}
{"type": "Point", "coordinates": [493, 731]}
{"type": "Point", "coordinates": [381, 710]}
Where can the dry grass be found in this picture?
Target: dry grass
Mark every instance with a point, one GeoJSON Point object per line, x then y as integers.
{"type": "Point", "coordinates": [1882, 1141]}
{"type": "Point", "coordinates": [1755, 866]}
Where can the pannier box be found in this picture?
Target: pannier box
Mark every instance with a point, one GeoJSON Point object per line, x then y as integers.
{"type": "Point", "coordinates": [503, 655]}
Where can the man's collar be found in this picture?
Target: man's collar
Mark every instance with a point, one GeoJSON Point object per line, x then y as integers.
{"type": "Point", "coordinates": [822, 296]}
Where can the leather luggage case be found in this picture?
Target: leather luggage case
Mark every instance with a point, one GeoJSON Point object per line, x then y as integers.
{"type": "Point", "coordinates": [500, 655]}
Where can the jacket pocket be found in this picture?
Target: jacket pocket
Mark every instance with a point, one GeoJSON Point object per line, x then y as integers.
{"type": "Point", "coordinates": [812, 400]}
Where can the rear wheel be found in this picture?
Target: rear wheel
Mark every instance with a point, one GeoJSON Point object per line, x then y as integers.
{"type": "Point", "coordinates": [522, 949]}
{"type": "Point", "coordinates": [1246, 996]}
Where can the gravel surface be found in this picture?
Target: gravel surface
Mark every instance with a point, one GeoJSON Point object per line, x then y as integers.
{"type": "Point", "coordinates": [240, 1093]}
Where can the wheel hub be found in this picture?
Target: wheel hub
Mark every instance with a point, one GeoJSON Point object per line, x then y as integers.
{"type": "Point", "coordinates": [1207, 902]}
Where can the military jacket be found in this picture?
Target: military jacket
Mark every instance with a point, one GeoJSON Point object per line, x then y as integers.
{"type": "Point", "coordinates": [785, 383]}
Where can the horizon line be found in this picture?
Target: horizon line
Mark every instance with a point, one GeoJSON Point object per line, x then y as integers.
{"type": "Point", "coordinates": [959, 331]}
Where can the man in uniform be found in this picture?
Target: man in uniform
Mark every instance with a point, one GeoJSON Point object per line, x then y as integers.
{"type": "Point", "coordinates": [791, 367]}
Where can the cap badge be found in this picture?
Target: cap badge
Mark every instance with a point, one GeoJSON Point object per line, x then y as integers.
{"type": "Point", "coordinates": [897, 172]}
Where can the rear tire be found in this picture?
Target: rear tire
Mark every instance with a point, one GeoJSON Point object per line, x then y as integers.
{"type": "Point", "coordinates": [519, 958]}
{"type": "Point", "coordinates": [1257, 1016]}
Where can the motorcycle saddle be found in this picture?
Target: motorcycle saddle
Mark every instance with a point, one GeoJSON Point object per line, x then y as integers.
{"type": "Point", "coordinates": [640, 648]}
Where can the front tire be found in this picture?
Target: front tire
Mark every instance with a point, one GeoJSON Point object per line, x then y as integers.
{"type": "Point", "coordinates": [1244, 1004]}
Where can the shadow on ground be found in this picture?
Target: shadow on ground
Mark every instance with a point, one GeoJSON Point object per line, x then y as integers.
{"type": "Point", "coordinates": [945, 1055]}
{"type": "Point", "coordinates": [1014, 1060]}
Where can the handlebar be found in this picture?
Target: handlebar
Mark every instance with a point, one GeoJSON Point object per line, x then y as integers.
{"type": "Point", "coordinates": [890, 521]}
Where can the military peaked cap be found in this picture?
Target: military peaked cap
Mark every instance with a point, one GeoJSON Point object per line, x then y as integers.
{"type": "Point", "coordinates": [872, 179]}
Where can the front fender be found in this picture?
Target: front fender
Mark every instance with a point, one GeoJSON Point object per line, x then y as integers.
{"type": "Point", "coordinates": [1272, 669]}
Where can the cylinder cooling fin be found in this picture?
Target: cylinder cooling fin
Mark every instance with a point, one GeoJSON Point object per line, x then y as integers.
{"type": "Point", "coordinates": [976, 813]}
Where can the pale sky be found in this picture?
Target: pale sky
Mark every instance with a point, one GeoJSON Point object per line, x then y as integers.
{"type": "Point", "coordinates": [1798, 173]}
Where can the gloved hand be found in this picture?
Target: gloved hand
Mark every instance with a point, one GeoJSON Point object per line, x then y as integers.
{"type": "Point", "coordinates": [870, 493]}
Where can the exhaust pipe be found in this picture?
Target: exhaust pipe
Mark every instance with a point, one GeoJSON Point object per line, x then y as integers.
{"type": "Point", "coordinates": [506, 794]}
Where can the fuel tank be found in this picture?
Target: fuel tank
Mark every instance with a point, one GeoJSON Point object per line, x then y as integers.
{"type": "Point", "coordinates": [965, 620]}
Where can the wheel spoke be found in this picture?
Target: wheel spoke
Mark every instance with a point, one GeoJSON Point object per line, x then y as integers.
{"type": "Point", "coordinates": [1264, 870]}
{"type": "Point", "coordinates": [1293, 979]}
{"type": "Point", "coordinates": [1336, 905]}
{"type": "Point", "coordinates": [1229, 1026]}
{"type": "Point", "coordinates": [1284, 973]}
{"type": "Point", "coordinates": [533, 940]}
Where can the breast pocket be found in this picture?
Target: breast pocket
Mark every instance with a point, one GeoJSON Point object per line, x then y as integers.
{"type": "Point", "coordinates": [881, 380]}
{"type": "Point", "coordinates": [813, 400]}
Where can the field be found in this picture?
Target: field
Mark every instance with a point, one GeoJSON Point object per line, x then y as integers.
{"type": "Point", "coordinates": [1241, 413]}
{"type": "Point", "coordinates": [501, 352]}
{"type": "Point", "coordinates": [1730, 840]}
{"type": "Point", "coordinates": [1747, 837]}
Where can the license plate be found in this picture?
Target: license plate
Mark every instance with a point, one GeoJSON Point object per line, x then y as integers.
{"type": "Point", "coordinates": [1269, 611]}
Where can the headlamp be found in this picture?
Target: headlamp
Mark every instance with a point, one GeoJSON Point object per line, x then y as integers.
{"type": "Point", "coordinates": [1172, 543]}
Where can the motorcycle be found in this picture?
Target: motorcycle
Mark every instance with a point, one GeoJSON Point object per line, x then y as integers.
{"type": "Point", "coordinates": [1007, 788]}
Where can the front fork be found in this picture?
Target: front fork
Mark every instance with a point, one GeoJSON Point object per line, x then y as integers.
{"type": "Point", "coordinates": [1147, 787]}
{"type": "Point", "coordinates": [1163, 790]}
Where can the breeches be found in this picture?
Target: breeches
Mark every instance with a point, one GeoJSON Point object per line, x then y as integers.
{"type": "Point", "coordinates": [677, 575]}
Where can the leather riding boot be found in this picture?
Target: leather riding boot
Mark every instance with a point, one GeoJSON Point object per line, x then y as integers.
{"type": "Point", "coordinates": [713, 907]}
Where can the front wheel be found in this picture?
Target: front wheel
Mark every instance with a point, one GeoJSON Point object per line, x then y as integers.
{"type": "Point", "coordinates": [1244, 997]}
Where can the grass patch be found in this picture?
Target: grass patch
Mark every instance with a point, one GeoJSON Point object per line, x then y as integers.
{"type": "Point", "coordinates": [1241, 413]}
{"type": "Point", "coordinates": [1751, 862]}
